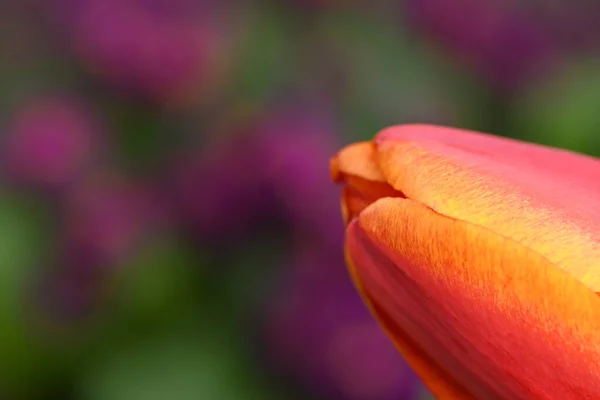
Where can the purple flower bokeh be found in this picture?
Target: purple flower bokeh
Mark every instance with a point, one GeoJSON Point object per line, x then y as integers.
{"type": "Point", "coordinates": [295, 150]}
{"type": "Point", "coordinates": [217, 190]}
{"type": "Point", "coordinates": [106, 218]}
{"type": "Point", "coordinates": [492, 37]}
{"type": "Point", "coordinates": [158, 50]}
{"type": "Point", "coordinates": [320, 3]}
{"type": "Point", "coordinates": [271, 165]}
{"type": "Point", "coordinates": [509, 43]}
{"type": "Point", "coordinates": [68, 292]}
{"type": "Point", "coordinates": [319, 332]}
{"type": "Point", "coordinates": [50, 142]}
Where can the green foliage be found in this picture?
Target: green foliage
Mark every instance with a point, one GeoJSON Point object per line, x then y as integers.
{"type": "Point", "coordinates": [197, 362]}
{"type": "Point", "coordinates": [28, 358]}
{"type": "Point", "coordinates": [562, 110]}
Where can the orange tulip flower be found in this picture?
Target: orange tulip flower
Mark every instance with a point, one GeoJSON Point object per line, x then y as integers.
{"type": "Point", "coordinates": [480, 257]}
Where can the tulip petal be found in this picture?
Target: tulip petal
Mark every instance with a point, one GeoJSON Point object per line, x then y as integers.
{"type": "Point", "coordinates": [357, 160]}
{"type": "Point", "coordinates": [546, 199]}
{"type": "Point", "coordinates": [499, 320]}
{"type": "Point", "coordinates": [357, 167]}
{"type": "Point", "coordinates": [440, 383]}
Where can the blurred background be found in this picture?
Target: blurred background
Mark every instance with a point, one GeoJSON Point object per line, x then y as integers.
{"type": "Point", "coordinates": [168, 229]}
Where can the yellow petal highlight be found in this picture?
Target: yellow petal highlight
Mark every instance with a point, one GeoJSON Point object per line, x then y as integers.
{"type": "Point", "coordinates": [555, 215]}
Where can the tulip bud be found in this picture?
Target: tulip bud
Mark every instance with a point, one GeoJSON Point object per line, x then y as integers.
{"type": "Point", "coordinates": [479, 256]}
